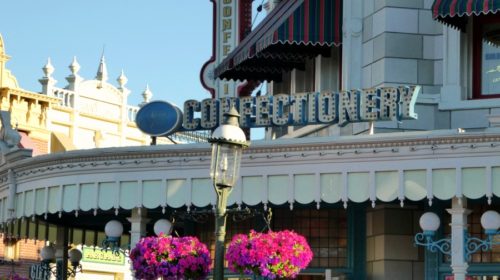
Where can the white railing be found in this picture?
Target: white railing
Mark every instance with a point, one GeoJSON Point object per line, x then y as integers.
{"type": "Point", "coordinates": [132, 113]}
{"type": "Point", "coordinates": [66, 97]}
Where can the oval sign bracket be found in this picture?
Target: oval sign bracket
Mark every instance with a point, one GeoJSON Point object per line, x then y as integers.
{"type": "Point", "coordinates": [159, 118]}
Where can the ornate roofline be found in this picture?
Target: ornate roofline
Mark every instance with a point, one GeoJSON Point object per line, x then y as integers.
{"type": "Point", "coordinates": [341, 145]}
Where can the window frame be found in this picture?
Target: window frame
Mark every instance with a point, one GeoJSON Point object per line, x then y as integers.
{"type": "Point", "coordinates": [477, 53]}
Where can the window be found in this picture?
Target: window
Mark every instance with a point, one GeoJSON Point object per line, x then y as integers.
{"type": "Point", "coordinates": [486, 57]}
{"type": "Point", "coordinates": [325, 230]}
{"type": "Point", "coordinates": [11, 249]}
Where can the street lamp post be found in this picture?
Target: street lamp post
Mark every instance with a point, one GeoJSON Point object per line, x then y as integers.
{"type": "Point", "coordinates": [61, 269]}
{"type": "Point", "coordinates": [228, 141]}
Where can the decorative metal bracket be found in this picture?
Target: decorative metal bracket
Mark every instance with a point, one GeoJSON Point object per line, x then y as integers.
{"type": "Point", "coordinates": [237, 215]}
{"type": "Point", "coordinates": [474, 244]}
{"type": "Point", "coordinates": [425, 239]}
{"type": "Point", "coordinates": [112, 244]}
{"type": "Point", "coordinates": [471, 244]}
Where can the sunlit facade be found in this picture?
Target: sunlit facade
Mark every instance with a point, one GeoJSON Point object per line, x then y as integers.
{"type": "Point", "coordinates": [356, 192]}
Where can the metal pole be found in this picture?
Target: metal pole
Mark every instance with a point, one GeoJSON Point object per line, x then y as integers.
{"type": "Point", "coordinates": [220, 231]}
{"type": "Point", "coordinates": [62, 264]}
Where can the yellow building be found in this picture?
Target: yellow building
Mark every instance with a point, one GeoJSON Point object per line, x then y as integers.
{"type": "Point", "coordinates": [81, 115]}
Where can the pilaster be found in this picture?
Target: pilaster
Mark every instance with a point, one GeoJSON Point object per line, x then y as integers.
{"type": "Point", "coordinates": [454, 89]}
{"type": "Point", "coordinates": [458, 230]}
{"type": "Point", "coordinates": [352, 49]}
{"type": "Point", "coordinates": [138, 222]}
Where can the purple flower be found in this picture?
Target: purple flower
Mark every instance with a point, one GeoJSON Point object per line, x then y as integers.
{"type": "Point", "coordinates": [273, 255]}
{"type": "Point", "coordinates": [170, 258]}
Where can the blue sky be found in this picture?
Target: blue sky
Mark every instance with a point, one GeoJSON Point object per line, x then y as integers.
{"type": "Point", "coordinates": [163, 43]}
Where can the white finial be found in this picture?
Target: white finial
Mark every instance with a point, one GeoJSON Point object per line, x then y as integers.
{"type": "Point", "coordinates": [122, 80]}
{"type": "Point", "coordinates": [102, 71]}
{"type": "Point", "coordinates": [147, 94]}
{"type": "Point", "coordinates": [48, 69]}
{"type": "Point", "coordinates": [74, 66]}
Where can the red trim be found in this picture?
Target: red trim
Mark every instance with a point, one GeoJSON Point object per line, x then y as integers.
{"type": "Point", "coordinates": [435, 10]}
{"type": "Point", "coordinates": [306, 20]}
{"type": "Point", "coordinates": [244, 18]}
{"type": "Point", "coordinates": [477, 53]}
{"type": "Point", "coordinates": [469, 6]}
{"type": "Point", "coordinates": [452, 8]}
{"type": "Point", "coordinates": [322, 21]}
{"type": "Point", "coordinates": [338, 9]}
{"type": "Point", "coordinates": [340, 69]}
{"type": "Point", "coordinates": [486, 6]}
{"type": "Point", "coordinates": [476, 60]}
{"type": "Point", "coordinates": [290, 28]}
{"type": "Point", "coordinates": [212, 58]}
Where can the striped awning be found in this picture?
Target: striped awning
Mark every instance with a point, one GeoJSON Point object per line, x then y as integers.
{"type": "Point", "coordinates": [456, 12]}
{"type": "Point", "coordinates": [293, 31]}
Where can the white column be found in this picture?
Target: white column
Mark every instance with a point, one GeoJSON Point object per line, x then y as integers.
{"type": "Point", "coordinates": [458, 226]}
{"type": "Point", "coordinates": [138, 223]}
{"type": "Point", "coordinates": [454, 63]}
{"type": "Point", "coordinates": [328, 274]}
{"type": "Point", "coordinates": [352, 49]}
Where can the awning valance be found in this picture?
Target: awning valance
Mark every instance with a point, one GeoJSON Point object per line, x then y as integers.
{"type": "Point", "coordinates": [455, 12]}
{"type": "Point", "coordinates": [293, 31]}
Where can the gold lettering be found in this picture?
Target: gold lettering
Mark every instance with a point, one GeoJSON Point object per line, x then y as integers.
{"type": "Point", "coordinates": [226, 49]}
{"type": "Point", "coordinates": [227, 1]}
{"type": "Point", "coordinates": [227, 36]}
{"type": "Point", "coordinates": [226, 24]}
{"type": "Point", "coordinates": [227, 11]}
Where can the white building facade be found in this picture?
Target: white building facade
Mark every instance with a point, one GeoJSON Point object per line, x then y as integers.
{"type": "Point", "coordinates": [355, 192]}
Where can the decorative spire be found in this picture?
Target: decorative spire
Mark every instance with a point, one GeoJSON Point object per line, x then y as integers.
{"type": "Point", "coordinates": [47, 80]}
{"type": "Point", "coordinates": [102, 71]}
{"type": "Point", "coordinates": [74, 79]}
{"type": "Point", "coordinates": [146, 95]}
{"type": "Point", "coordinates": [48, 69]}
{"type": "Point", "coordinates": [74, 67]}
{"type": "Point", "coordinates": [3, 56]}
{"type": "Point", "coordinates": [122, 80]}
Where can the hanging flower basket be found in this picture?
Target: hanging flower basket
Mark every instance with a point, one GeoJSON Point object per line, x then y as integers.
{"type": "Point", "coordinates": [272, 255]}
{"type": "Point", "coordinates": [13, 276]}
{"type": "Point", "coordinates": [170, 258]}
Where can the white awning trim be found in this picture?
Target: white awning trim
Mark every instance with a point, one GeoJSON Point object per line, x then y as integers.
{"type": "Point", "coordinates": [26, 228]}
{"type": "Point", "coordinates": [401, 169]}
{"type": "Point", "coordinates": [469, 182]}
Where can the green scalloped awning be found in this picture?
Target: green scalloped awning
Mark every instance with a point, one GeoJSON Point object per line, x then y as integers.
{"type": "Point", "coordinates": [456, 12]}
{"type": "Point", "coordinates": [293, 31]}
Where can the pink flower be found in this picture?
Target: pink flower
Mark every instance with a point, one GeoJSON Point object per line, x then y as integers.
{"type": "Point", "coordinates": [273, 255]}
{"type": "Point", "coordinates": [171, 258]}
{"type": "Point", "coordinates": [13, 276]}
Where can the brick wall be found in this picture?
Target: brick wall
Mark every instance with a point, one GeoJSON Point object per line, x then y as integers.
{"type": "Point", "coordinates": [42, 147]}
{"type": "Point", "coordinates": [27, 253]}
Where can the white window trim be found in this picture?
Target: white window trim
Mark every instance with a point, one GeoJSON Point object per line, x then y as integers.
{"type": "Point", "coordinates": [456, 92]}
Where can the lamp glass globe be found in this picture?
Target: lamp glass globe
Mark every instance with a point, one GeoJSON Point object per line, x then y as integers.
{"type": "Point", "coordinates": [490, 220]}
{"type": "Point", "coordinates": [429, 221]}
{"type": "Point", "coordinates": [48, 253]}
{"type": "Point", "coordinates": [113, 228]}
{"type": "Point", "coordinates": [163, 226]}
{"type": "Point", "coordinates": [75, 255]}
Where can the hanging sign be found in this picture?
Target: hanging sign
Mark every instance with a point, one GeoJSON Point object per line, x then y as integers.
{"type": "Point", "coordinates": [37, 272]}
{"type": "Point", "coordinates": [102, 256]}
{"type": "Point", "coordinates": [298, 109]}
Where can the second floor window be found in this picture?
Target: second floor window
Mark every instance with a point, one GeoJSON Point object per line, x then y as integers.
{"type": "Point", "coordinates": [486, 57]}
